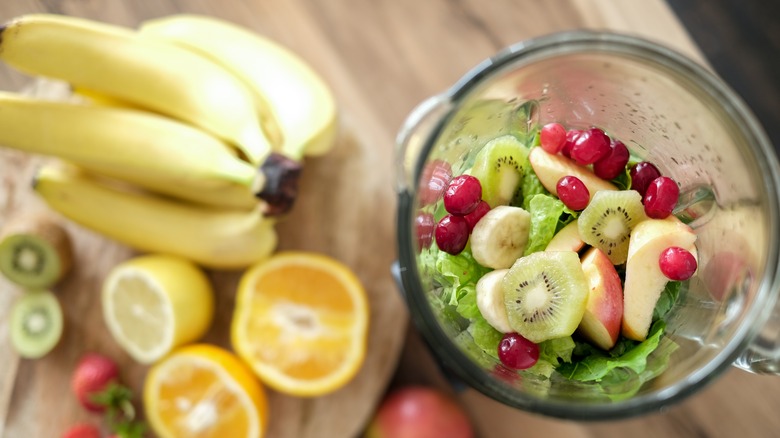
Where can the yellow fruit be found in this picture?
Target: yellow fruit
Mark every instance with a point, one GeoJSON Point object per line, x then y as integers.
{"type": "Point", "coordinates": [203, 391]}
{"type": "Point", "coordinates": [155, 303]}
{"type": "Point", "coordinates": [301, 322]}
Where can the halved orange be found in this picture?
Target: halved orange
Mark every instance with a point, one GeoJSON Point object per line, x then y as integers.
{"type": "Point", "coordinates": [301, 323]}
{"type": "Point", "coordinates": [203, 391]}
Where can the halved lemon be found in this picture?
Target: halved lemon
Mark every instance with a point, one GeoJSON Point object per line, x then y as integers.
{"type": "Point", "coordinates": [203, 391]}
{"type": "Point", "coordinates": [301, 323]}
{"type": "Point", "coordinates": [154, 303]}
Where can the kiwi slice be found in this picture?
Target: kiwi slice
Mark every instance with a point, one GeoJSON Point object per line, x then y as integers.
{"type": "Point", "coordinates": [499, 167]}
{"type": "Point", "coordinates": [545, 294]}
{"type": "Point", "coordinates": [35, 252]}
{"type": "Point", "coordinates": [607, 221]}
{"type": "Point", "coordinates": [36, 324]}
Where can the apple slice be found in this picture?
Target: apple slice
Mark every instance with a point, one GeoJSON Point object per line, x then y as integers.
{"type": "Point", "coordinates": [567, 239]}
{"type": "Point", "coordinates": [644, 279]}
{"type": "Point", "coordinates": [604, 310]}
{"type": "Point", "coordinates": [551, 168]}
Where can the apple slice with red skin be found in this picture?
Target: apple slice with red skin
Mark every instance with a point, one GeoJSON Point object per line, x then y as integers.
{"type": "Point", "coordinates": [567, 239]}
{"type": "Point", "coordinates": [551, 168]}
{"type": "Point", "coordinates": [644, 279]}
{"type": "Point", "coordinates": [604, 310]}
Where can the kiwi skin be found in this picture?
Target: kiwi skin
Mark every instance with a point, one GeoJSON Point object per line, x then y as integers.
{"type": "Point", "coordinates": [43, 235]}
{"type": "Point", "coordinates": [39, 303]}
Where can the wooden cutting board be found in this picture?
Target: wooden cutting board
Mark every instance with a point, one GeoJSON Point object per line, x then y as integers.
{"type": "Point", "coordinates": [381, 57]}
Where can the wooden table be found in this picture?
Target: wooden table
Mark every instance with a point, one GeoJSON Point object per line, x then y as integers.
{"type": "Point", "coordinates": [381, 57]}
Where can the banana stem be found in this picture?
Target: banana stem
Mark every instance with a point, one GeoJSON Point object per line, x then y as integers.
{"type": "Point", "coordinates": [276, 183]}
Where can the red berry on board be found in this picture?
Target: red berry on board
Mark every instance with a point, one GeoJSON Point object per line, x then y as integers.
{"type": "Point", "coordinates": [425, 225]}
{"type": "Point", "coordinates": [435, 177]}
{"type": "Point", "coordinates": [93, 374]}
{"type": "Point", "coordinates": [552, 137]}
{"type": "Point", "coordinates": [661, 197]}
{"type": "Point", "coordinates": [614, 163]}
{"type": "Point", "coordinates": [517, 352]}
{"type": "Point", "coordinates": [82, 431]}
{"type": "Point", "coordinates": [474, 217]}
{"type": "Point", "coordinates": [452, 234]}
{"type": "Point", "coordinates": [463, 194]}
{"type": "Point", "coordinates": [677, 264]}
{"type": "Point", "coordinates": [573, 193]}
{"type": "Point", "coordinates": [642, 174]}
{"type": "Point", "coordinates": [590, 146]}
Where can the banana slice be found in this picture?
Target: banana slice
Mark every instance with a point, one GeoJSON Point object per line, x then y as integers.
{"type": "Point", "coordinates": [490, 300]}
{"type": "Point", "coordinates": [500, 237]}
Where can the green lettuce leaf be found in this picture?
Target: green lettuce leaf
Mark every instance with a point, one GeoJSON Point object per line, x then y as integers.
{"type": "Point", "coordinates": [545, 212]}
{"type": "Point", "coordinates": [454, 272]}
{"type": "Point", "coordinates": [597, 365]}
{"type": "Point", "coordinates": [623, 181]}
{"type": "Point", "coordinates": [485, 336]}
{"type": "Point", "coordinates": [530, 186]}
{"type": "Point", "coordinates": [467, 302]}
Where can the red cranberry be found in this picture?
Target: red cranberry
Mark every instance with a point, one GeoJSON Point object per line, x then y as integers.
{"type": "Point", "coordinates": [642, 174]}
{"type": "Point", "coordinates": [571, 137]}
{"type": "Point", "coordinates": [517, 352]}
{"type": "Point", "coordinates": [677, 263]}
{"type": "Point", "coordinates": [452, 234]}
{"type": "Point", "coordinates": [661, 197]}
{"type": "Point", "coordinates": [614, 163]}
{"type": "Point", "coordinates": [463, 194]}
{"type": "Point", "coordinates": [591, 146]}
{"type": "Point", "coordinates": [553, 137]}
{"type": "Point", "coordinates": [573, 192]}
{"type": "Point", "coordinates": [425, 225]}
{"type": "Point", "coordinates": [474, 217]}
{"type": "Point", "coordinates": [435, 177]}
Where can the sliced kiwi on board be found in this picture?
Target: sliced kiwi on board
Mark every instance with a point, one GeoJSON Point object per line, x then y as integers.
{"type": "Point", "coordinates": [35, 251]}
{"type": "Point", "coordinates": [607, 221]}
{"type": "Point", "coordinates": [545, 294]}
{"type": "Point", "coordinates": [499, 167]}
{"type": "Point", "coordinates": [36, 324]}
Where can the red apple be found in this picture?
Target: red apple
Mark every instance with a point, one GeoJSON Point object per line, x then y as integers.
{"type": "Point", "coordinates": [567, 239]}
{"type": "Point", "coordinates": [604, 309]}
{"type": "Point", "coordinates": [551, 168]}
{"type": "Point", "coordinates": [644, 279]}
{"type": "Point", "coordinates": [419, 412]}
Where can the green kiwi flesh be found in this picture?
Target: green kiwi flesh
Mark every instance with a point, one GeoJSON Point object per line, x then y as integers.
{"type": "Point", "coordinates": [499, 167]}
{"type": "Point", "coordinates": [36, 324]}
{"type": "Point", "coordinates": [545, 294]}
{"type": "Point", "coordinates": [34, 252]}
{"type": "Point", "coordinates": [607, 221]}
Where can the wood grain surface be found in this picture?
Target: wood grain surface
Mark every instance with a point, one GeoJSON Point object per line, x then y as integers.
{"type": "Point", "coordinates": [381, 58]}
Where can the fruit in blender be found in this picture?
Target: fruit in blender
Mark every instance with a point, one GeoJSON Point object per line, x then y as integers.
{"type": "Point", "coordinates": [551, 168]}
{"type": "Point", "coordinates": [490, 300]}
{"type": "Point", "coordinates": [572, 192]}
{"type": "Point", "coordinates": [661, 197]}
{"type": "Point", "coordinates": [498, 166]}
{"type": "Point", "coordinates": [608, 220]}
{"type": "Point", "coordinates": [545, 294]}
{"type": "Point", "coordinates": [644, 279]}
{"type": "Point", "coordinates": [500, 237]}
{"type": "Point", "coordinates": [600, 324]}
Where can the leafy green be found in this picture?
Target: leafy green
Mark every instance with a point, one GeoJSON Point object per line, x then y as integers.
{"type": "Point", "coordinates": [623, 181]}
{"type": "Point", "coordinates": [485, 336]}
{"type": "Point", "coordinates": [454, 272]}
{"type": "Point", "coordinates": [530, 185]}
{"type": "Point", "coordinates": [597, 365]}
{"type": "Point", "coordinates": [467, 302]}
{"type": "Point", "coordinates": [667, 299]}
{"type": "Point", "coordinates": [557, 351]}
{"type": "Point", "coordinates": [545, 211]}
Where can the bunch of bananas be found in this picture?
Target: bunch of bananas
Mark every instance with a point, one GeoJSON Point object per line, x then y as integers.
{"type": "Point", "coordinates": [183, 124]}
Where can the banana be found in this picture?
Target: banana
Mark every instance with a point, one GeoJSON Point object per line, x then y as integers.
{"type": "Point", "coordinates": [212, 238]}
{"type": "Point", "coordinates": [490, 300]}
{"type": "Point", "coordinates": [285, 88]}
{"type": "Point", "coordinates": [153, 152]}
{"type": "Point", "coordinates": [500, 237]}
{"type": "Point", "coordinates": [118, 62]}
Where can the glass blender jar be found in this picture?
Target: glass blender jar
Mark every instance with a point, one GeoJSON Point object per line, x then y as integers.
{"type": "Point", "coordinates": [667, 110]}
